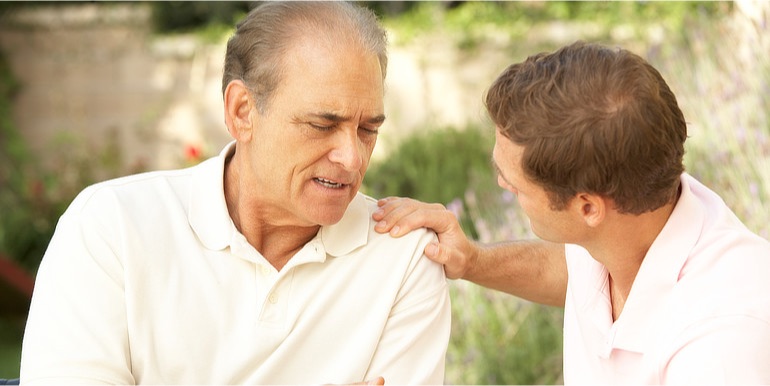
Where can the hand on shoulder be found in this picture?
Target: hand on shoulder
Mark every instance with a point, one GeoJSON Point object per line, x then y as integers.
{"type": "Point", "coordinates": [398, 216]}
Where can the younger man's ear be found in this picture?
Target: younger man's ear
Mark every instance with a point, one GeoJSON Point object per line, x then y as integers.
{"type": "Point", "coordinates": [238, 108]}
{"type": "Point", "coordinates": [591, 208]}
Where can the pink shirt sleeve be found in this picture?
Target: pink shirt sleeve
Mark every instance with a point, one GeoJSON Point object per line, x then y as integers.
{"type": "Point", "coordinates": [723, 350]}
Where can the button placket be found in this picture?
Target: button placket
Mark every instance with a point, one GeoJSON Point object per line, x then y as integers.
{"type": "Point", "coordinates": [275, 298]}
{"type": "Point", "coordinates": [265, 284]}
{"type": "Point", "coordinates": [609, 342]}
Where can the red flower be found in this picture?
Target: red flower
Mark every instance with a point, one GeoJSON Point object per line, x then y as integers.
{"type": "Point", "coordinates": [192, 153]}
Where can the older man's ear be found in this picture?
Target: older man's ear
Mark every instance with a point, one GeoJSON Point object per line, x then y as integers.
{"type": "Point", "coordinates": [239, 105]}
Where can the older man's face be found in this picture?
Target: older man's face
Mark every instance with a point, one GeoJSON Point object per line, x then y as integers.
{"type": "Point", "coordinates": [312, 145]}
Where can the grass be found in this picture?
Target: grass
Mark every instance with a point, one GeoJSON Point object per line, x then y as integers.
{"type": "Point", "coordinates": [10, 348]}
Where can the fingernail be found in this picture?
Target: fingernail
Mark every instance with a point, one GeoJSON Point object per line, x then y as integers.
{"type": "Point", "coordinates": [431, 249]}
{"type": "Point", "coordinates": [378, 212]}
{"type": "Point", "coordinates": [394, 231]}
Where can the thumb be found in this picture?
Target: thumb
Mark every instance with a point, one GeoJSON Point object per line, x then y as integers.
{"type": "Point", "coordinates": [454, 261]}
{"type": "Point", "coordinates": [376, 381]}
{"type": "Point", "coordinates": [432, 252]}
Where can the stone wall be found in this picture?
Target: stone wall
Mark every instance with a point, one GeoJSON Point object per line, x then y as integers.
{"type": "Point", "coordinates": [92, 73]}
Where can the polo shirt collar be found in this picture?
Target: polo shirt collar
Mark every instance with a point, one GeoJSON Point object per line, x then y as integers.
{"type": "Point", "coordinates": [640, 321]}
{"type": "Point", "coordinates": [210, 219]}
{"type": "Point", "coordinates": [349, 233]}
{"type": "Point", "coordinates": [208, 215]}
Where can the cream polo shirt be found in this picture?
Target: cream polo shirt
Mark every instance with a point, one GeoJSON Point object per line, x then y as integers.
{"type": "Point", "coordinates": [148, 281]}
{"type": "Point", "coordinates": [698, 311]}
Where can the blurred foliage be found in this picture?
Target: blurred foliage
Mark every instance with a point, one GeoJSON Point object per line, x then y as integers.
{"type": "Point", "coordinates": [178, 16]}
{"type": "Point", "coordinates": [496, 338]}
{"type": "Point", "coordinates": [474, 22]}
{"type": "Point", "coordinates": [436, 165]}
{"type": "Point", "coordinates": [13, 160]}
{"type": "Point", "coordinates": [34, 196]}
{"type": "Point", "coordinates": [10, 355]}
{"type": "Point", "coordinates": [721, 76]}
{"type": "Point", "coordinates": [22, 235]}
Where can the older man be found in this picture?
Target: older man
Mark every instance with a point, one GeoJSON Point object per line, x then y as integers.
{"type": "Point", "coordinates": [259, 265]}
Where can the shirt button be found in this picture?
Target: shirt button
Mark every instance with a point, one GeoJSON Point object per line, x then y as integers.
{"type": "Point", "coordinates": [264, 269]}
{"type": "Point", "coordinates": [273, 298]}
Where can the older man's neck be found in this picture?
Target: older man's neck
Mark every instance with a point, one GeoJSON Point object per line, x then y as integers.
{"type": "Point", "coordinates": [275, 241]}
{"type": "Point", "coordinates": [278, 244]}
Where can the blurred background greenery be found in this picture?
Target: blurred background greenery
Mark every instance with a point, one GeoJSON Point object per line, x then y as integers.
{"type": "Point", "coordinates": [715, 56]}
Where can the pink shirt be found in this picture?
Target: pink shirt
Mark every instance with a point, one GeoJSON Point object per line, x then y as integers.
{"type": "Point", "coordinates": [698, 311]}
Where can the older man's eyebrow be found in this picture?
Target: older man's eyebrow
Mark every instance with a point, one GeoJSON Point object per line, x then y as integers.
{"type": "Point", "coordinates": [336, 118]}
{"type": "Point", "coordinates": [376, 120]}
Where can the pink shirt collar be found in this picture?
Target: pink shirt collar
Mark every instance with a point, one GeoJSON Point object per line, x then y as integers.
{"type": "Point", "coordinates": [640, 321]}
{"type": "Point", "coordinates": [659, 272]}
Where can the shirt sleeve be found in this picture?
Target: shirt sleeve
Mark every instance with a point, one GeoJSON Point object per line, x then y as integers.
{"type": "Point", "coordinates": [76, 328]}
{"type": "Point", "coordinates": [414, 343]}
{"type": "Point", "coordinates": [723, 350]}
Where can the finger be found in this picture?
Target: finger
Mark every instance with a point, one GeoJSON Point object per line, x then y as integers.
{"type": "Point", "coordinates": [403, 215]}
{"type": "Point", "coordinates": [391, 212]}
{"type": "Point", "coordinates": [432, 252]}
{"type": "Point", "coordinates": [376, 381]}
{"type": "Point", "coordinates": [454, 262]}
{"type": "Point", "coordinates": [403, 219]}
{"type": "Point", "coordinates": [388, 204]}
{"type": "Point", "coordinates": [385, 200]}
{"type": "Point", "coordinates": [409, 217]}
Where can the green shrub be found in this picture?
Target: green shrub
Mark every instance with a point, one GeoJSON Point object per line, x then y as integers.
{"type": "Point", "coordinates": [496, 338]}
{"type": "Point", "coordinates": [23, 235]}
{"type": "Point", "coordinates": [10, 348]}
{"type": "Point", "coordinates": [174, 16]}
{"type": "Point", "coordinates": [436, 165]}
{"type": "Point", "coordinates": [471, 23]}
{"type": "Point", "coordinates": [33, 197]}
